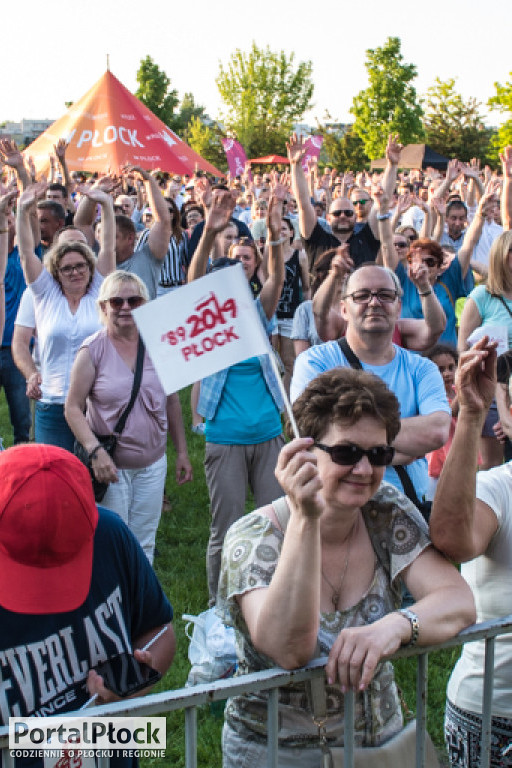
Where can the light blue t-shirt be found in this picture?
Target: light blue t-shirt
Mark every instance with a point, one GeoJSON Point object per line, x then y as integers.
{"type": "Point", "coordinates": [247, 413]}
{"type": "Point", "coordinates": [491, 309]}
{"type": "Point", "coordinates": [415, 380]}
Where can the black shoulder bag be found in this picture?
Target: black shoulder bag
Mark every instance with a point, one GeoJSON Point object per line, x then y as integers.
{"type": "Point", "coordinates": [109, 442]}
{"type": "Point", "coordinates": [409, 490]}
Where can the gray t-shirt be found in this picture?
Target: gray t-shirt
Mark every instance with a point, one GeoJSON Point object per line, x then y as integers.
{"type": "Point", "coordinates": [143, 264]}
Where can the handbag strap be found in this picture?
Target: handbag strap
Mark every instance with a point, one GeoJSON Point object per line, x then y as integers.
{"type": "Point", "coordinates": [399, 468]}
{"type": "Point", "coordinates": [137, 378]}
{"type": "Point", "coordinates": [497, 296]}
{"type": "Point", "coordinates": [440, 282]}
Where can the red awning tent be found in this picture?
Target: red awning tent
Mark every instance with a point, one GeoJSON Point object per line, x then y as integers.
{"type": "Point", "coordinates": [109, 127]}
{"type": "Point", "coordinates": [270, 160]}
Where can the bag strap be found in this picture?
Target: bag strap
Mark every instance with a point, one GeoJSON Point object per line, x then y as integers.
{"type": "Point", "coordinates": [350, 354]}
{"type": "Point", "coordinates": [497, 296]}
{"type": "Point", "coordinates": [282, 512]}
{"type": "Point", "coordinates": [439, 282]}
{"type": "Point", "coordinates": [399, 468]}
{"type": "Point", "coordinates": [137, 378]}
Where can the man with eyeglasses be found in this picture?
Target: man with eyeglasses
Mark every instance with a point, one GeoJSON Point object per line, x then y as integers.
{"type": "Point", "coordinates": [371, 307]}
{"type": "Point", "coordinates": [364, 244]}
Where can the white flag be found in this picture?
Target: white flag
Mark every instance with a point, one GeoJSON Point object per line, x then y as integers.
{"type": "Point", "coordinates": [201, 328]}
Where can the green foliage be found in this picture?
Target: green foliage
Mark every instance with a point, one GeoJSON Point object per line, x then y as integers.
{"type": "Point", "coordinates": [344, 152]}
{"type": "Point", "coordinates": [265, 94]}
{"type": "Point", "coordinates": [502, 101]}
{"type": "Point", "coordinates": [454, 127]}
{"type": "Point", "coordinates": [205, 140]}
{"type": "Point", "coordinates": [188, 110]}
{"type": "Point", "coordinates": [389, 104]}
{"type": "Point", "coordinates": [154, 91]}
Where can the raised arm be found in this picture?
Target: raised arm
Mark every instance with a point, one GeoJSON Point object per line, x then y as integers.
{"type": "Point", "coordinates": [453, 170]}
{"type": "Point", "coordinates": [60, 153]}
{"type": "Point", "coordinates": [26, 207]}
{"type": "Point", "coordinates": [506, 192]}
{"type": "Point", "coordinates": [439, 208]}
{"type": "Point", "coordinates": [462, 526]}
{"type": "Point", "coordinates": [385, 230]}
{"type": "Point", "coordinates": [283, 618]}
{"type": "Point", "coordinates": [11, 156]}
{"type": "Point", "coordinates": [323, 300]}
{"type": "Point", "coordinates": [161, 231]}
{"type": "Point", "coordinates": [473, 233]}
{"type": "Point", "coordinates": [7, 195]}
{"type": "Point", "coordinates": [99, 194]}
{"type": "Point", "coordinates": [273, 285]}
{"type": "Point", "coordinates": [420, 334]}
{"type": "Point", "coordinates": [217, 218]}
{"type": "Point", "coordinates": [307, 215]}
{"type": "Point", "coordinates": [393, 150]}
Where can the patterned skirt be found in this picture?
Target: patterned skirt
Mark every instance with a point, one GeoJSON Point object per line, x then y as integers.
{"type": "Point", "coordinates": [463, 734]}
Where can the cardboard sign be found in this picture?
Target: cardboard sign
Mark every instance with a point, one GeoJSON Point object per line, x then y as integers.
{"type": "Point", "coordinates": [202, 328]}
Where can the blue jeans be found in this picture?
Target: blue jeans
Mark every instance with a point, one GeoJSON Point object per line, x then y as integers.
{"type": "Point", "coordinates": [15, 393]}
{"type": "Point", "coordinates": [51, 427]}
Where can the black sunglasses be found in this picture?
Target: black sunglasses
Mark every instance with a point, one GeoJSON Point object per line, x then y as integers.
{"type": "Point", "coordinates": [348, 454]}
{"type": "Point", "coordinates": [116, 302]}
{"type": "Point", "coordinates": [428, 261]}
{"type": "Point", "coordinates": [348, 213]}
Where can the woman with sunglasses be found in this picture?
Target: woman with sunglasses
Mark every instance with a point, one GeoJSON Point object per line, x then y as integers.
{"type": "Point", "coordinates": [448, 283]}
{"type": "Point", "coordinates": [64, 292]}
{"type": "Point", "coordinates": [320, 573]}
{"type": "Point", "coordinates": [101, 385]}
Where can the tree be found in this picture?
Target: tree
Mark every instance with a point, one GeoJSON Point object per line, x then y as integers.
{"type": "Point", "coordinates": [389, 104]}
{"type": "Point", "coordinates": [265, 94]}
{"type": "Point", "coordinates": [454, 127]}
{"type": "Point", "coordinates": [502, 100]}
{"type": "Point", "coordinates": [154, 91]}
{"type": "Point", "coordinates": [344, 152]}
{"type": "Point", "coordinates": [188, 110]}
{"type": "Point", "coordinates": [205, 140]}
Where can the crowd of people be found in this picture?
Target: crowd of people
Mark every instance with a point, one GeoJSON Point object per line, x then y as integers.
{"type": "Point", "coordinates": [384, 297]}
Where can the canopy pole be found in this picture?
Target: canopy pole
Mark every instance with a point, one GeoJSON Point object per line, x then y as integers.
{"type": "Point", "coordinates": [108, 62]}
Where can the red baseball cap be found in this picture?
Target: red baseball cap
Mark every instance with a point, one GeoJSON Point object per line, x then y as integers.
{"type": "Point", "coordinates": [48, 517]}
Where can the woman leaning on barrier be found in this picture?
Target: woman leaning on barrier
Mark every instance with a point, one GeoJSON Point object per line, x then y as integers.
{"type": "Point", "coordinates": [472, 524]}
{"type": "Point", "coordinates": [320, 572]}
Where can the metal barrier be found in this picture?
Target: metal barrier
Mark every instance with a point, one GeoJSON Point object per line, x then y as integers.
{"type": "Point", "coordinates": [191, 698]}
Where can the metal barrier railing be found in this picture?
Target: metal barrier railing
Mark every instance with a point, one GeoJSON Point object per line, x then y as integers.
{"type": "Point", "coordinates": [189, 699]}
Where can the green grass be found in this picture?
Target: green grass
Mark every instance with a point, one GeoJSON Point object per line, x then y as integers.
{"type": "Point", "coordinates": [180, 565]}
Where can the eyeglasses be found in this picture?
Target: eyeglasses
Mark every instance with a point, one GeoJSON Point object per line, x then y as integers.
{"type": "Point", "coordinates": [117, 302]}
{"type": "Point", "coordinates": [428, 261]}
{"type": "Point", "coordinates": [383, 296]}
{"type": "Point", "coordinates": [413, 237]}
{"type": "Point", "coordinates": [347, 454]}
{"type": "Point", "coordinates": [401, 245]}
{"type": "Point", "coordinates": [345, 211]}
{"type": "Point", "coordinates": [80, 269]}
{"type": "Point", "coordinates": [363, 201]}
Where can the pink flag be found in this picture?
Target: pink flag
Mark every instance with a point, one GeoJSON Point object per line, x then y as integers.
{"type": "Point", "coordinates": [313, 146]}
{"type": "Point", "coordinates": [236, 157]}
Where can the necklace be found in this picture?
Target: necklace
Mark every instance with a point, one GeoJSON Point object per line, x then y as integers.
{"type": "Point", "coordinates": [337, 592]}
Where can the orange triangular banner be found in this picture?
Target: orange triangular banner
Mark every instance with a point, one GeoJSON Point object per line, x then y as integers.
{"type": "Point", "coordinates": [109, 127]}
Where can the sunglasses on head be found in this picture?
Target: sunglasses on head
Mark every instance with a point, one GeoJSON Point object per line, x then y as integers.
{"type": "Point", "coordinates": [117, 302]}
{"type": "Point", "coordinates": [346, 211]}
{"type": "Point", "coordinates": [428, 261]}
{"type": "Point", "coordinates": [347, 454]}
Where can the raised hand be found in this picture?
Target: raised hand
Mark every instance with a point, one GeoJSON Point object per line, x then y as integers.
{"type": "Point", "coordinates": [439, 205]}
{"type": "Point", "coordinates": [342, 264]}
{"type": "Point", "coordinates": [418, 274]}
{"type": "Point", "coordinates": [453, 169]}
{"type": "Point", "coordinates": [32, 194]}
{"type": "Point", "coordinates": [393, 149]}
{"type": "Point", "coordinates": [10, 154]}
{"type": "Point", "coordinates": [275, 210]}
{"type": "Point", "coordinates": [506, 162]}
{"type": "Point", "coordinates": [475, 380]}
{"type": "Point", "coordinates": [203, 192]}
{"type": "Point", "coordinates": [7, 195]}
{"type": "Point", "coordinates": [297, 474]}
{"type": "Point", "coordinates": [220, 211]}
{"type": "Point", "coordinates": [60, 149]}
{"type": "Point", "coordinates": [295, 149]}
